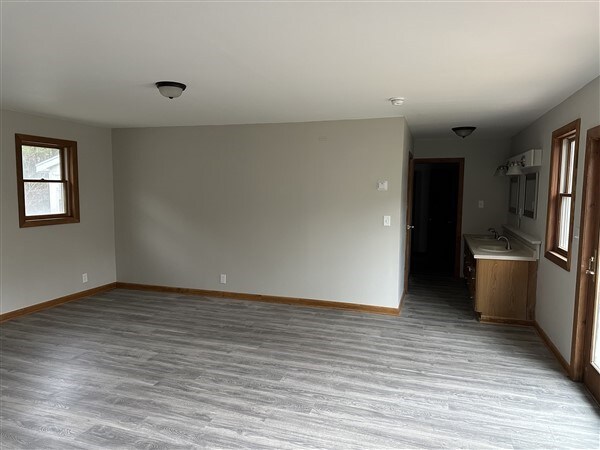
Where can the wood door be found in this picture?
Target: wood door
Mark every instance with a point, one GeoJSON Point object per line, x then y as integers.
{"type": "Point", "coordinates": [585, 359]}
{"type": "Point", "coordinates": [409, 220]}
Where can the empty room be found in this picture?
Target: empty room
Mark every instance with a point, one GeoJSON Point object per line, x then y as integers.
{"type": "Point", "coordinates": [333, 225]}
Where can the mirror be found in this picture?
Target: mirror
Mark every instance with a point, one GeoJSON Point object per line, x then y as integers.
{"type": "Point", "coordinates": [530, 202]}
{"type": "Point", "coordinates": [513, 195]}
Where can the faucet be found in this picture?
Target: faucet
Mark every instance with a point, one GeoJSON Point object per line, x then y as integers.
{"type": "Point", "coordinates": [493, 230]}
{"type": "Point", "coordinates": [500, 238]}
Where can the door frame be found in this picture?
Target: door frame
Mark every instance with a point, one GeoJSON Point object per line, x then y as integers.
{"type": "Point", "coordinates": [459, 203]}
{"type": "Point", "coordinates": [590, 218]}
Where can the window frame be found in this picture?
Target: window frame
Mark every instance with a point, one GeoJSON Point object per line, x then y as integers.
{"type": "Point", "coordinates": [69, 178]}
{"type": "Point", "coordinates": [553, 252]}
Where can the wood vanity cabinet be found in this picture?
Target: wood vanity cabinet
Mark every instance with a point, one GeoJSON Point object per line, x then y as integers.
{"type": "Point", "coordinates": [501, 290]}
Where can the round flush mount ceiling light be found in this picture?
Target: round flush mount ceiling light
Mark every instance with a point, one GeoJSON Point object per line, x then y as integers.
{"type": "Point", "coordinates": [396, 101]}
{"type": "Point", "coordinates": [170, 89]}
{"type": "Point", "coordinates": [463, 132]}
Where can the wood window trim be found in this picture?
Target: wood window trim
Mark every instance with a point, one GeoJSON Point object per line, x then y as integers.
{"type": "Point", "coordinates": [69, 178]}
{"type": "Point", "coordinates": [553, 253]}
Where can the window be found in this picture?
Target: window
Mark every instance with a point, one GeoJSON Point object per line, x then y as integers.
{"type": "Point", "coordinates": [47, 181]}
{"type": "Point", "coordinates": [561, 194]}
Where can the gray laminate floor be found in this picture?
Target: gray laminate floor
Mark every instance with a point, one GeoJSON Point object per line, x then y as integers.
{"type": "Point", "coordinates": [131, 369]}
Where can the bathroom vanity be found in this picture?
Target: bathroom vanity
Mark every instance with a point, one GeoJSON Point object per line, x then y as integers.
{"type": "Point", "coordinates": [502, 283]}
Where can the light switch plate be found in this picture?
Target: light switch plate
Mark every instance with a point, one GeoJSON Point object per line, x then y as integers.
{"type": "Point", "coordinates": [387, 221]}
{"type": "Point", "coordinates": [480, 204]}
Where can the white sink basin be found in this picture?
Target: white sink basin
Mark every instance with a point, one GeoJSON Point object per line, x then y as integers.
{"type": "Point", "coordinates": [496, 249]}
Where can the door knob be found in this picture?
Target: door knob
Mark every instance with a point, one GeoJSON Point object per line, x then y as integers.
{"type": "Point", "coordinates": [590, 270]}
{"type": "Point", "coordinates": [409, 227]}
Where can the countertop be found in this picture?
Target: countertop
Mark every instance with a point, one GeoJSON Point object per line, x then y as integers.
{"type": "Point", "coordinates": [477, 244]}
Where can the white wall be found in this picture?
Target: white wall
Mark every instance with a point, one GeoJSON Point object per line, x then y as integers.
{"type": "Point", "coordinates": [556, 287]}
{"type": "Point", "coordinates": [43, 263]}
{"type": "Point", "coordinates": [282, 209]}
{"type": "Point", "coordinates": [482, 156]}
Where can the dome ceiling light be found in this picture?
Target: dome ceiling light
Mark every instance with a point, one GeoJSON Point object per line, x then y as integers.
{"type": "Point", "coordinates": [170, 89]}
{"type": "Point", "coordinates": [463, 132]}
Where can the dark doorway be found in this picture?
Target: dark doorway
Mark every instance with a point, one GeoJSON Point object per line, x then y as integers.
{"type": "Point", "coordinates": [436, 216]}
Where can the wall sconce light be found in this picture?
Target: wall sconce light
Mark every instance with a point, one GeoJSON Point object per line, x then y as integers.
{"type": "Point", "coordinates": [515, 167]}
{"type": "Point", "coordinates": [463, 132]}
{"type": "Point", "coordinates": [501, 171]}
{"type": "Point", "coordinates": [526, 162]}
{"type": "Point", "coordinates": [170, 89]}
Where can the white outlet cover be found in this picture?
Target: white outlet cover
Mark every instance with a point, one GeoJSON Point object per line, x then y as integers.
{"type": "Point", "coordinates": [387, 221]}
{"type": "Point", "coordinates": [223, 279]}
{"type": "Point", "coordinates": [480, 203]}
{"type": "Point", "coordinates": [382, 185]}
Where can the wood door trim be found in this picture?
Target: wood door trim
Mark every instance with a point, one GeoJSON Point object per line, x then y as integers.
{"type": "Point", "coordinates": [459, 204]}
{"type": "Point", "coordinates": [589, 216]}
{"type": "Point", "coordinates": [57, 301]}
{"type": "Point", "coordinates": [263, 298]}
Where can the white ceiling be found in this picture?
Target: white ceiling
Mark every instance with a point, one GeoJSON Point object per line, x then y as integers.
{"type": "Point", "coordinates": [497, 66]}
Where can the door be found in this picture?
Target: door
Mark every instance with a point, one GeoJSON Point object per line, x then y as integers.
{"type": "Point", "coordinates": [585, 362]}
{"type": "Point", "coordinates": [591, 369]}
{"type": "Point", "coordinates": [409, 220]}
{"type": "Point", "coordinates": [437, 216]}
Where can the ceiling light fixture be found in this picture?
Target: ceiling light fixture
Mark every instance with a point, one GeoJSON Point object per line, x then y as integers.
{"type": "Point", "coordinates": [171, 89]}
{"type": "Point", "coordinates": [463, 132]}
{"type": "Point", "coordinates": [396, 101]}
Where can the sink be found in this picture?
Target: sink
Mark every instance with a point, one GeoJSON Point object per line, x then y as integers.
{"type": "Point", "coordinates": [485, 238]}
{"type": "Point", "coordinates": [496, 249]}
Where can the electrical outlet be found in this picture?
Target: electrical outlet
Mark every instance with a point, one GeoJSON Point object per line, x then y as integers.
{"type": "Point", "coordinates": [480, 203]}
{"type": "Point", "coordinates": [84, 278]}
{"type": "Point", "coordinates": [387, 221]}
{"type": "Point", "coordinates": [223, 278]}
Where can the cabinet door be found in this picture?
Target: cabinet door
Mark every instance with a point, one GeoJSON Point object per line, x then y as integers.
{"type": "Point", "coordinates": [502, 288]}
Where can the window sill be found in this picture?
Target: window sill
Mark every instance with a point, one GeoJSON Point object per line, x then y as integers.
{"type": "Point", "coordinates": [563, 262]}
{"type": "Point", "coordinates": [27, 223]}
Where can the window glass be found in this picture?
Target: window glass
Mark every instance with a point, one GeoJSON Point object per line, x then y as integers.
{"type": "Point", "coordinates": [41, 163]}
{"type": "Point", "coordinates": [564, 223]}
{"type": "Point", "coordinates": [44, 198]}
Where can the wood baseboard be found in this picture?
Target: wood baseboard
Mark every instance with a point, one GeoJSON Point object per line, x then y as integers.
{"type": "Point", "coordinates": [505, 321]}
{"type": "Point", "coordinates": [401, 304]}
{"type": "Point", "coordinates": [262, 298]}
{"type": "Point", "coordinates": [57, 301]}
{"type": "Point", "coordinates": [552, 347]}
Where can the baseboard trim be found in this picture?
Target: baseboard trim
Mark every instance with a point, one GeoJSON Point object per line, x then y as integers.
{"type": "Point", "coordinates": [505, 321]}
{"type": "Point", "coordinates": [552, 347]}
{"type": "Point", "coordinates": [57, 301]}
{"type": "Point", "coordinates": [262, 298]}
{"type": "Point", "coordinates": [401, 304]}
